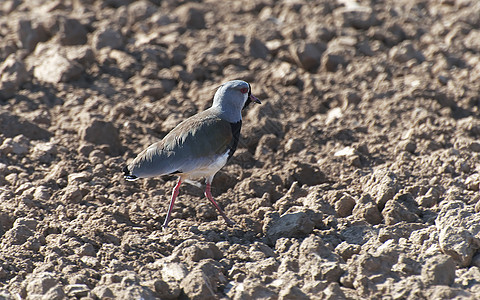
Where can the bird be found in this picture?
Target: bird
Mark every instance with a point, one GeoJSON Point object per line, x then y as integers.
{"type": "Point", "coordinates": [199, 146]}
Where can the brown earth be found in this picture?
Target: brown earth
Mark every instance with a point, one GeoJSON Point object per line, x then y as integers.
{"type": "Point", "coordinates": [358, 176]}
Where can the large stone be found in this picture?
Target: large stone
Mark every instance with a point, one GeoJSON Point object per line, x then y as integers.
{"type": "Point", "coordinates": [359, 17]}
{"type": "Point", "coordinates": [439, 270]}
{"type": "Point", "coordinates": [459, 226]}
{"type": "Point", "coordinates": [141, 10]}
{"type": "Point", "coordinates": [18, 145]}
{"type": "Point", "coordinates": [306, 173]}
{"type": "Point", "coordinates": [30, 34]}
{"type": "Point", "coordinates": [333, 291]}
{"type": "Point", "coordinates": [29, 223]}
{"type": "Point", "coordinates": [369, 268]}
{"type": "Point", "coordinates": [107, 37]}
{"type": "Point", "coordinates": [294, 145]}
{"type": "Point", "coordinates": [332, 61]}
{"type": "Point", "coordinates": [459, 243]}
{"type": "Point", "coordinates": [430, 198]}
{"type": "Point", "coordinates": [290, 198]}
{"type": "Point", "coordinates": [13, 75]}
{"type": "Point", "coordinates": [135, 292]}
{"type": "Point", "coordinates": [317, 262]}
{"type": "Point", "coordinates": [80, 54]}
{"type": "Point", "coordinates": [101, 132]}
{"type": "Point", "coordinates": [72, 194]}
{"type": "Point", "coordinates": [191, 16]}
{"type": "Point", "coordinates": [382, 186]}
{"type": "Point", "coordinates": [251, 288]}
{"type": "Point", "coordinates": [102, 292]}
{"type": "Point", "coordinates": [203, 280]}
{"type": "Point", "coordinates": [408, 288]}
{"type": "Point", "coordinates": [57, 68]}
{"type": "Point", "coordinates": [345, 205]}
{"type": "Point", "coordinates": [256, 48]}
{"type": "Point", "coordinates": [404, 52]}
{"type": "Point", "coordinates": [147, 88]}
{"type": "Point", "coordinates": [173, 271]}
{"type": "Point", "coordinates": [77, 290]}
{"type": "Point", "coordinates": [72, 32]}
{"type": "Point", "coordinates": [291, 292]}
{"type": "Point", "coordinates": [44, 152]}
{"type": "Point", "coordinates": [266, 266]}
{"type": "Point", "coordinates": [402, 208]}
{"type": "Point", "coordinates": [17, 235]}
{"type": "Point", "coordinates": [457, 213]}
{"type": "Point", "coordinates": [472, 40]}
{"type": "Point", "coordinates": [472, 182]}
{"type": "Point", "coordinates": [200, 251]}
{"type": "Point", "coordinates": [399, 230]}
{"type": "Point", "coordinates": [366, 209]}
{"type": "Point", "coordinates": [40, 284]}
{"type": "Point", "coordinates": [294, 224]}
{"type": "Point", "coordinates": [346, 250]}
{"type": "Point", "coordinates": [125, 62]}
{"type": "Point", "coordinates": [41, 193]}
{"type": "Point", "coordinates": [446, 292]}
{"type": "Point", "coordinates": [307, 55]}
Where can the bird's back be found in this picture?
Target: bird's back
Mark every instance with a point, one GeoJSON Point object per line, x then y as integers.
{"type": "Point", "coordinates": [195, 143]}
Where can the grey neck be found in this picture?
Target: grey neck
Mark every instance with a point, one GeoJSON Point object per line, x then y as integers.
{"type": "Point", "coordinates": [228, 105]}
{"type": "Point", "coordinates": [227, 115]}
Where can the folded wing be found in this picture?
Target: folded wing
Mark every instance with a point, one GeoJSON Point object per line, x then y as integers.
{"type": "Point", "coordinates": [193, 144]}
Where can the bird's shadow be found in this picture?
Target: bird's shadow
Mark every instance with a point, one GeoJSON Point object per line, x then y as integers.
{"type": "Point", "coordinates": [237, 234]}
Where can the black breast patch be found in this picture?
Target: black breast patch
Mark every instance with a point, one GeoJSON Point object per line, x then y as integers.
{"type": "Point", "coordinates": [236, 136]}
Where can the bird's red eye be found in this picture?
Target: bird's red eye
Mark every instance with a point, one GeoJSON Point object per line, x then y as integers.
{"type": "Point", "coordinates": [244, 90]}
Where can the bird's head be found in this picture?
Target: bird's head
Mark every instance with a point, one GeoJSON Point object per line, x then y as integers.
{"type": "Point", "coordinates": [233, 96]}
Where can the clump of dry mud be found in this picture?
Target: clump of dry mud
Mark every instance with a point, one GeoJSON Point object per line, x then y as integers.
{"type": "Point", "coordinates": [357, 178]}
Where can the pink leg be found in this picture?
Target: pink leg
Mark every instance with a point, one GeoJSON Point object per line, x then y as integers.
{"type": "Point", "coordinates": [209, 196]}
{"type": "Point", "coordinates": [172, 201]}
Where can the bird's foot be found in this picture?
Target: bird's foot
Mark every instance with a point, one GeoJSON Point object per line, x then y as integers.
{"type": "Point", "coordinates": [165, 225]}
{"type": "Point", "coordinates": [229, 222]}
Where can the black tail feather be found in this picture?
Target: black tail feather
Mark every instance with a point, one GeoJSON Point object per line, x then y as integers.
{"type": "Point", "coordinates": [128, 175]}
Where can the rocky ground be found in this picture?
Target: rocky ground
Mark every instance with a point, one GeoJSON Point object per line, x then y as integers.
{"type": "Point", "coordinates": [358, 177]}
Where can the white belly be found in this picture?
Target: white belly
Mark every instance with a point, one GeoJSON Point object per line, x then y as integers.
{"type": "Point", "coordinates": [207, 171]}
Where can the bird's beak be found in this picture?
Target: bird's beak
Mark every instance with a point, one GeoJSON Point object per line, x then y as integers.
{"type": "Point", "coordinates": [254, 99]}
